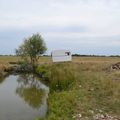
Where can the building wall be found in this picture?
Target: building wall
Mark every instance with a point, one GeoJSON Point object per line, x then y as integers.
{"type": "Point", "coordinates": [61, 56]}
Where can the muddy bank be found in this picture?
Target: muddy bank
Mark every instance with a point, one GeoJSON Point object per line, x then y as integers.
{"type": "Point", "coordinates": [3, 73]}
{"type": "Point", "coordinates": [17, 69]}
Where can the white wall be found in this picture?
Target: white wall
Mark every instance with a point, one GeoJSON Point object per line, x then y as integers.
{"type": "Point", "coordinates": [61, 55]}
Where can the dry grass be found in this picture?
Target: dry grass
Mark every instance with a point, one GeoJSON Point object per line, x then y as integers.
{"type": "Point", "coordinates": [4, 63]}
{"type": "Point", "coordinates": [109, 60]}
{"type": "Point", "coordinates": [96, 59]}
{"type": "Point", "coordinates": [95, 90]}
{"type": "Point", "coordinates": [7, 59]}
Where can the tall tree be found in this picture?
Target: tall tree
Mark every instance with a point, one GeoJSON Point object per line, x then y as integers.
{"type": "Point", "coordinates": [32, 48]}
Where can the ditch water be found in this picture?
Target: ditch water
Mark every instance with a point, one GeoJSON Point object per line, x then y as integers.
{"type": "Point", "coordinates": [23, 97]}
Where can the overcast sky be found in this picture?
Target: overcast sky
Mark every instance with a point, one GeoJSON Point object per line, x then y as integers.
{"type": "Point", "coordinates": [82, 26]}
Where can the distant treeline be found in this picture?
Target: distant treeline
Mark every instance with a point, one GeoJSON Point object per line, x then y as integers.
{"type": "Point", "coordinates": [8, 55]}
{"type": "Point", "coordinates": [78, 55]}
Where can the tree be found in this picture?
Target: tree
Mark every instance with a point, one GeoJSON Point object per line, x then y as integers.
{"type": "Point", "coordinates": [32, 48]}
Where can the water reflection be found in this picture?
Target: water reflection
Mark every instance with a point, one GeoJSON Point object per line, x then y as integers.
{"type": "Point", "coordinates": [1, 80]}
{"type": "Point", "coordinates": [27, 93]}
{"type": "Point", "coordinates": [31, 90]}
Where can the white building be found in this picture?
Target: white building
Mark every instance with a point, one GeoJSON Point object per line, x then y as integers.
{"type": "Point", "coordinates": [61, 55]}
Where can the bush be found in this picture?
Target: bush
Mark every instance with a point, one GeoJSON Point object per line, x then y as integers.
{"type": "Point", "coordinates": [24, 66]}
{"type": "Point", "coordinates": [43, 70]}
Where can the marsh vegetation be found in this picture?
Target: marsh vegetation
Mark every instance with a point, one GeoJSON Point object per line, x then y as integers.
{"type": "Point", "coordinates": [82, 89]}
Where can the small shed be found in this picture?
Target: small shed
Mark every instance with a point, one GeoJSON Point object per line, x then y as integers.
{"type": "Point", "coordinates": [61, 55]}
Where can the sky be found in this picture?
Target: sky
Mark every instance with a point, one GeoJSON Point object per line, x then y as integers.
{"type": "Point", "coordinates": [90, 27]}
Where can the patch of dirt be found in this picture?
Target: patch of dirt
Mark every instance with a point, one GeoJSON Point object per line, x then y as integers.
{"type": "Point", "coordinates": [105, 116]}
{"type": "Point", "coordinates": [96, 115]}
{"type": "Point", "coordinates": [115, 66]}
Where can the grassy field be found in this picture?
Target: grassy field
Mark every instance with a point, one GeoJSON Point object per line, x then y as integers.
{"type": "Point", "coordinates": [84, 89]}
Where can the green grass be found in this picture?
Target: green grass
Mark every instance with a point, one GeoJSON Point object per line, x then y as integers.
{"type": "Point", "coordinates": [93, 87]}
{"type": "Point", "coordinates": [84, 87]}
{"type": "Point", "coordinates": [98, 91]}
{"type": "Point", "coordinates": [61, 105]}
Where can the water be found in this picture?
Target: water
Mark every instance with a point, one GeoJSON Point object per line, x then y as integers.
{"type": "Point", "coordinates": [22, 97]}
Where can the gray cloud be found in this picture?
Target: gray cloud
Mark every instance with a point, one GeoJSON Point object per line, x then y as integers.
{"type": "Point", "coordinates": [84, 26]}
{"type": "Point", "coordinates": [9, 40]}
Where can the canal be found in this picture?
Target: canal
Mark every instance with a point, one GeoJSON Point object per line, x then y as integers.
{"type": "Point", "coordinates": [23, 97]}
